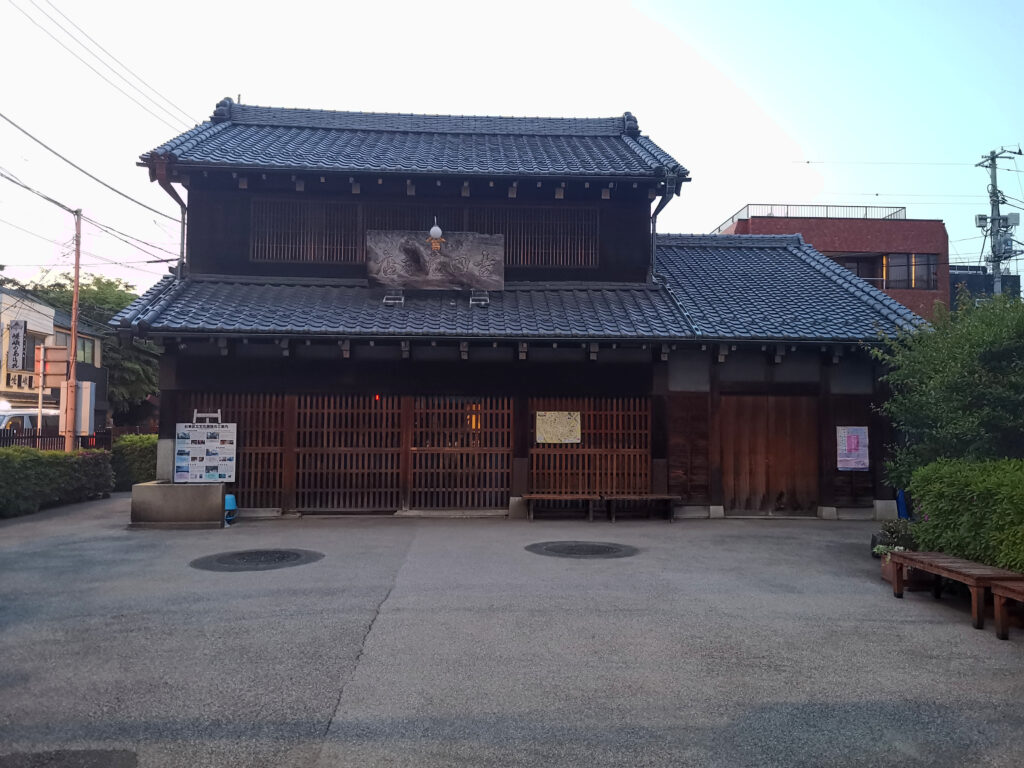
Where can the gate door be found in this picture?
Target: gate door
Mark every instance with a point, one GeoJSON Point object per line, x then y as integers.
{"type": "Point", "coordinates": [348, 453]}
{"type": "Point", "coordinates": [770, 454]}
{"type": "Point", "coordinates": [461, 453]}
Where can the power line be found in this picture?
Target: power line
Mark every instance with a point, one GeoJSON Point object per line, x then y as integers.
{"type": "Point", "coordinates": [118, 61]}
{"type": "Point", "coordinates": [106, 228]}
{"type": "Point", "coordinates": [87, 253]}
{"type": "Point", "coordinates": [82, 170]}
{"type": "Point", "coordinates": [870, 162]}
{"type": "Point", "coordinates": [119, 234]}
{"type": "Point", "coordinates": [36, 192]}
{"type": "Point", "coordinates": [98, 58]}
{"type": "Point", "coordinates": [91, 67]}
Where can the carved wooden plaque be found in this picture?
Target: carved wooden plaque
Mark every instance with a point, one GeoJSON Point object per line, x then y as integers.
{"type": "Point", "coordinates": [465, 260]}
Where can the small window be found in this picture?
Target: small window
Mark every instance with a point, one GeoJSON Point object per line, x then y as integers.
{"type": "Point", "coordinates": [911, 270]}
{"type": "Point", "coordinates": [86, 350]}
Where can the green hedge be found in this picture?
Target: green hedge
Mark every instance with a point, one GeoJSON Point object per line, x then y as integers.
{"type": "Point", "coordinates": [971, 509]}
{"type": "Point", "coordinates": [30, 479]}
{"type": "Point", "coordinates": [134, 460]}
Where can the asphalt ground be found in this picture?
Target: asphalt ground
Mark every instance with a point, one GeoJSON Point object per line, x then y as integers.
{"type": "Point", "coordinates": [446, 643]}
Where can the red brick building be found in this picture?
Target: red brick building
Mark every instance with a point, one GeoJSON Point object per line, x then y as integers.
{"type": "Point", "coordinates": [908, 259]}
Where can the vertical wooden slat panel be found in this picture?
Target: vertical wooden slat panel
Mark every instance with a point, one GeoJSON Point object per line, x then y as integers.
{"type": "Point", "coordinates": [613, 456]}
{"type": "Point", "coordinates": [461, 453]}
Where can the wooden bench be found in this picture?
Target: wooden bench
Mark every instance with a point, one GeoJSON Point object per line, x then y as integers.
{"type": "Point", "coordinates": [612, 498]}
{"type": "Point", "coordinates": [976, 576]}
{"type": "Point", "coordinates": [1001, 592]}
{"type": "Point", "coordinates": [532, 498]}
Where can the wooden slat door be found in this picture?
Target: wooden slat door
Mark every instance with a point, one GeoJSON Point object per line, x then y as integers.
{"type": "Point", "coordinates": [769, 453]}
{"type": "Point", "coordinates": [461, 453]}
{"type": "Point", "coordinates": [348, 453]}
{"type": "Point", "coordinates": [613, 455]}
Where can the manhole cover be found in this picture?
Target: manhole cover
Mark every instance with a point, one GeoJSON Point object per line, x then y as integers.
{"type": "Point", "coordinates": [256, 560]}
{"type": "Point", "coordinates": [581, 549]}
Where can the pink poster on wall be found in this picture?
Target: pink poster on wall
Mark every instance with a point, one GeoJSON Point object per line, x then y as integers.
{"type": "Point", "coordinates": [852, 448]}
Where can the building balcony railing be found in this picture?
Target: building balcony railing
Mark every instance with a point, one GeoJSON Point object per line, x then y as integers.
{"type": "Point", "coordinates": [902, 284]}
{"type": "Point", "coordinates": [784, 210]}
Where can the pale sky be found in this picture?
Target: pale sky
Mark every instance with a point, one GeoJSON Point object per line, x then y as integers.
{"type": "Point", "coordinates": [893, 102]}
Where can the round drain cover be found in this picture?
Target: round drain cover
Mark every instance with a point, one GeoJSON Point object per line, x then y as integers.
{"type": "Point", "coordinates": [586, 550]}
{"type": "Point", "coordinates": [256, 560]}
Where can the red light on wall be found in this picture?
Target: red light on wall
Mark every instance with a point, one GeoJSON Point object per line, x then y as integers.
{"type": "Point", "coordinates": [376, 398]}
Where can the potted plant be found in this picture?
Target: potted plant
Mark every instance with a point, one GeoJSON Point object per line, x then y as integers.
{"type": "Point", "coordinates": [897, 537]}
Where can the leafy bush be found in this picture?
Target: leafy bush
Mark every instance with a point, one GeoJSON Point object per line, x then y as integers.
{"type": "Point", "coordinates": [133, 460]}
{"type": "Point", "coordinates": [972, 509]}
{"type": "Point", "coordinates": [30, 479]}
{"type": "Point", "coordinates": [957, 389]}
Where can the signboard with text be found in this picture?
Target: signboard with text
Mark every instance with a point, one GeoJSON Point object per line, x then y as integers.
{"type": "Point", "coordinates": [17, 346]}
{"type": "Point", "coordinates": [852, 449]}
{"type": "Point", "coordinates": [205, 453]}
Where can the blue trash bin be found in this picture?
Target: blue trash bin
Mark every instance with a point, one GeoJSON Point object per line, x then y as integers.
{"type": "Point", "coordinates": [230, 508]}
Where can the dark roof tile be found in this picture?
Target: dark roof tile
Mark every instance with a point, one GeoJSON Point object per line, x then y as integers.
{"type": "Point", "coordinates": [245, 136]}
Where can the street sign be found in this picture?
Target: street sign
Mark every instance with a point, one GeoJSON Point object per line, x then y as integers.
{"type": "Point", "coordinates": [16, 346]}
{"type": "Point", "coordinates": [56, 366]}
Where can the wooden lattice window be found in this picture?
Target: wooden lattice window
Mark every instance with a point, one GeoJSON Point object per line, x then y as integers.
{"type": "Point", "coordinates": [305, 231]}
{"type": "Point", "coordinates": [542, 236]}
{"type": "Point", "coordinates": [613, 455]}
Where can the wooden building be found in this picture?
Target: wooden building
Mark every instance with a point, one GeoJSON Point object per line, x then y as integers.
{"type": "Point", "coordinates": [712, 369]}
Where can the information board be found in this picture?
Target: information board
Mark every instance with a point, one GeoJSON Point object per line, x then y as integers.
{"type": "Point", "coordinates": [16, 346]}
{"type": "Point", "coordinates": [558, 427]}
{"type": "Point", "coordinates": [205, 453]}
{"type": "Point", "coordinates": [852, 448]}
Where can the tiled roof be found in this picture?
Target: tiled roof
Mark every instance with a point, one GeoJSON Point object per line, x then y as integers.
{"type": "Point", "coordinates": [242, 136]}
{"type": "Point", "coordinates": [729, 287]}
{"type": "Point", "coordinates": [236, 306]}
{"type": "Point", "coordinates": [773, 287]}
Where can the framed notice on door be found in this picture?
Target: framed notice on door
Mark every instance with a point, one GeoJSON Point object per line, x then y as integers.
{"type": "Point", "coordinates": [205, 453]}
{"type": "Point", "coordinates": [852, 449]}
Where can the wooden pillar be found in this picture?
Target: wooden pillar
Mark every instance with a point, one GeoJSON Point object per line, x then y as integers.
{"type": "Point", "coordinates": [826, 439]}
{"type": "Point", "coordinates": [405, 459]}
{"type": "Point", "coordinates": [715, 489]}
{"type": "Point", "coordinates": [170, 403]}
{"type": "Point", "coordinates": [289, 468]}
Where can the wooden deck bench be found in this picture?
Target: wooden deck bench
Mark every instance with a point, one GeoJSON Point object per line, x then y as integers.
{"type": "Point", "coordinates": [612, 498]}
{"type": "Point", "coordinates": [1001, 592]}
{"type": "Point", "coordinates": [976, 576]}
{"type": "Point", "coordinates": [532, 498]}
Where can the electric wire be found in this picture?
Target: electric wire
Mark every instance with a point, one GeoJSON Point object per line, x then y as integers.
{"type": "Point", "coordinates": [82, 170]}
{"type": "Point", "coordinates": [65, 245]}
{"type": "Point", "coordinates": [124, 66]}
{"type": "Point", "coordinates": [110, 230]}
{"type": "Point", "coordinates": [98, 58]}
{"type": "Point", "coordinates": [94, 70]}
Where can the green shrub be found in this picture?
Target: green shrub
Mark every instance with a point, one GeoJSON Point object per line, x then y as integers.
{"type": "Point", "coordinates": [134, 460]}
{"type": "Point", "coordinates": [31, 479]}
{"type": "Point", "coordinates": [971, 509]}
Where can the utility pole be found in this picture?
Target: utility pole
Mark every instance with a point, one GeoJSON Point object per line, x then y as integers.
{"type": "Point", "coordinates": [998, 226]}
{"type": "Point", "coordinates": [72, 393]}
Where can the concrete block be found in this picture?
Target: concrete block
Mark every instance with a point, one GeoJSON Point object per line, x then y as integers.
{"type": "Point", "coordinates": [164, 460]}
{"type": "Point", "coordinates": [885, 509]}
{"type": "Point", "coordinates": [684, 511]}
{"type": "Point", "coordinates": [517, 508]}
{"type": "Point", "coordinates": [828, 513]}
{"type": "Point", "coordinates": [716, 510]}
{"type": "Point", "coordinates": [167, 504]}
